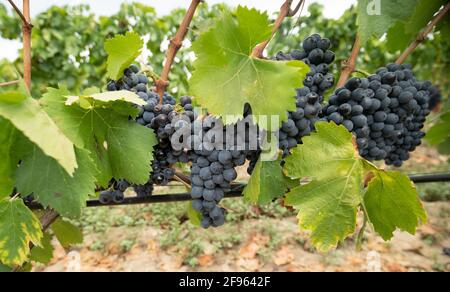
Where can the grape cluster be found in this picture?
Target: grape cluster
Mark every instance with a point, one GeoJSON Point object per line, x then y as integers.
{"type": "Point", "coordinates": [155, 116]}
{"type": "Point", "coordinates": [385, 111]}
{"type": "Point", "coordinates": [316, 53]}
{"type": "Point", "coordinates": [213, 168]}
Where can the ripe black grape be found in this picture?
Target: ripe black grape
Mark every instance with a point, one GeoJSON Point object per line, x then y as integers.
{"type": "Point", "coordinates": [316, 53]}
{"type": "Point", "coordinates": [388, 111]}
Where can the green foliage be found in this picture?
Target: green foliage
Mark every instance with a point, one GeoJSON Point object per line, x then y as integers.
{"type": "Point", "coordinates": [328, 205]}
{"type": "Point", "coordinates": [6, 167]}
{"type": "Point", "coordinates": [122, 51]}
{"type": "Point", "coordinates": [9, 28]}
{"type": "Point", "coordinates": [67, 233]}
{"type": "Point", "coordinates": [224, 59]}
{"type": "Point", "coordinates": [391, 202]}
{"type": "Point", "coordinates": [403, 32]}
{"type": "Point", "coordinates": [43, 254]}
{"type": "Point", "coordinates": [266, 183]}
{"type": "Point", "coordinates": [29, 118]}
{"type": "Point", "coordinates": [42, 176]}
{"type": "Point", "coordinates": [12, 97]}
{"type": "Point", "coordinates": [375, 18]}
{"type": "Point", "coordinates": [195, 217]}
{"type": "Point", "coordinates": [440, 132]}
{"type": "Point", "coordinates": [67, 51]}
{"type": "Point", "coordinates": [105, 130]}
{"type": "Point", "coordinates": [18, 228]}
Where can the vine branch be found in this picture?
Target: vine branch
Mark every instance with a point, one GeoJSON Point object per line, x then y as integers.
{"type": "Point", "coordinates": [175, 45]}
{"type": "Point", "coordinates": [349, 65]}
{"type": "Point", "coordinates": [27, 27]}
{"type": "Point", "coordinates": [285, 11]}
{"type": "Point", "coordinates": [25, 20]}
{"type": "Point", "coordinates": [423, 34]}
{"type": "Point", "coordinates": [9, 83]}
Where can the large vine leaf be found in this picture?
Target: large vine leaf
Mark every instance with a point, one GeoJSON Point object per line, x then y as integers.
{"type": "Point", "coordinates": [327, 209]}
{"type": "Point", "coordinates": [29, 118]}
{"type": "Point", "coordinates": [226, 76]}
{"type": "Point", "coordinates": [422, 15]}
{"type": "Point", "coordinates": [67, 233]}
{"type": "Point", "coordinates": [12, 97]}
{"type": "Point", "coordinates": [328, 205]}
{"type": "Point", "coordinates": [18, 228]}
{"type": "Point", "coordinates": [122, 51]}
{"type": "Point", "coordinates": [43, 177]}
{"type": "Point", "coordinates": [120, 148]}
{"type": "Point", "coordinates": [391, 202]}
{"type": "Point", "coordinates": [403, 32]}
{"type": "Point", "coordinates": [266, 183]}
{"type": "Point", "coordinates": [375, 18]}
{"type": "Point", "coordinates": [6, 165]}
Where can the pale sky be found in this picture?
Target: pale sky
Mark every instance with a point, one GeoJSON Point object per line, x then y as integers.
{"type": "Point", "coordinates": [333, 9]}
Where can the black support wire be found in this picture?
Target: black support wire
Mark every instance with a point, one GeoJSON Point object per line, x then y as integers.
{"type": "Point", "coordinates": [235, 193]}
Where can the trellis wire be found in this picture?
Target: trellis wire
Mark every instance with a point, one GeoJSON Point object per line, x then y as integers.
{"type": "Point", "coordinates": [235, 193]}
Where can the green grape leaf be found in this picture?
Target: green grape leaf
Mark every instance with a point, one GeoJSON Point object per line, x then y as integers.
{"type": "Point", "coordinates": [122, 51]}
{"type": "Point", "coordinates": [403, 32]}
{"type": "Point", "coordinates": [224, 60]}
{"type": "Point", "coordinates": [67, 233]}
{"type": "Point", "coordinates": [328, 153]}
{"type": "Point", "coordinates": [375, 18]}
{"type": "Point", "coordinates": [18, 228]}
{"type": "Point", "coordinates": [42, 176]}
{"type": "Point", "coordinates": [6, 165]}
{"type": "Point", "coordinates": [329, 203]}
{"type": "Point", "coordinates": [12, 97]}
{"type": "Point", "coordinates": [422, 15]}
{"type": "Point", "coordinates": [43, 254]}
{"type": "Point", "coordinates": [439, 132]}
{"type": "Point", "coordinates": [392, 202]}
{"type": "Point", "coordinates": [397, 38]}
{"type": "Point", "coordinates": [266, 183]}
{"type": "Point", "coordinates": [29, 118]}
{"type": "Point", "coordinates": [120, 148]}
{"type": "Point", "coordinates": [195, 217]}
{"type": "Point", "coordinates": [5, 269]}
{"type": "Point", "coordinates": [444, 147]}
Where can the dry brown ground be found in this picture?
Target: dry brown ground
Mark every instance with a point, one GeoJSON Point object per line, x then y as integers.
{"type": "Point", "coordinates": [422, 252]}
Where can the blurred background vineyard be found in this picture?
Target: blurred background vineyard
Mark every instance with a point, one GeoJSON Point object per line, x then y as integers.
{"type": "Point", "coordinates": [68, 50]}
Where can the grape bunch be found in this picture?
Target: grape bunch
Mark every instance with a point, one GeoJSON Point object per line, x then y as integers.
{"type": "Point", "coordinates": [213, 168]}
{"type": "Point", "coordinates": [385, 111]}
{"type": "Point", "coordinates": [152, 115]}
{"type": "Point", "coordinates": [317, 55]}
